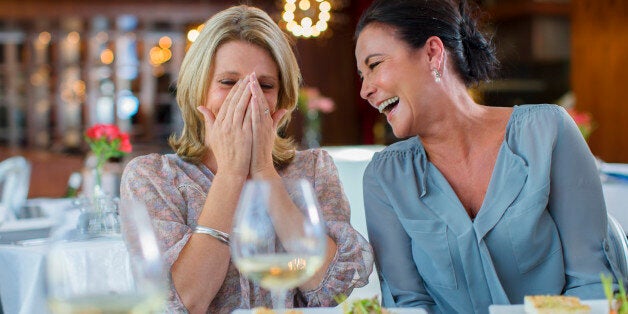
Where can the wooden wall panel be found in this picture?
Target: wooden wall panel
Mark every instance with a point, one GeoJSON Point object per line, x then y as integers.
{"type": "Point", "coordinates": [599, 72]}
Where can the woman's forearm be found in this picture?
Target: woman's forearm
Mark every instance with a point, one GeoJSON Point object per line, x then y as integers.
{"type": "Point", "coordinates": [318, 277]}
{"type": "Point", "coordinates": [201, 268]}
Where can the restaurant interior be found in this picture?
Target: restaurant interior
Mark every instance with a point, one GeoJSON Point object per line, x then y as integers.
{"type": "Point", "coordinates": [67, 65]}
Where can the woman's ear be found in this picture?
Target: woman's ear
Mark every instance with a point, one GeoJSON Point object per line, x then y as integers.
{"type": "Point", "coordinates": [435, 50]}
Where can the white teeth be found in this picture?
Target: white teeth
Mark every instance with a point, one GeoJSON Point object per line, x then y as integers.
{"type": "Point", "coordinates": [386, 102]}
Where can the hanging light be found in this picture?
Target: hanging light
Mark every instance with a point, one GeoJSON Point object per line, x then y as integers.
{"type": "Point", "coordinates": [309, 24]}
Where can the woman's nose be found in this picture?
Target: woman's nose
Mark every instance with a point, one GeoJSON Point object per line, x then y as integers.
{"type": "Point", "coordinates": [367, 89]}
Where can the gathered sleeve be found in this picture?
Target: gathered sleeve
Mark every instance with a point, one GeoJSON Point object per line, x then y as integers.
{"type": "Point", "coordinates": [577, 206]}
{"type": "Point", "coordinates": [150, 179]}
{"type": "Point", "coordinates": [353, 261]}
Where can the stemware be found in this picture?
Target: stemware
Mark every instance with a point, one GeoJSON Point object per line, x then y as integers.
{"type": "Point", "coordinates": [278, 239]}
{"type": "Point", "coordinates": [106, 272]}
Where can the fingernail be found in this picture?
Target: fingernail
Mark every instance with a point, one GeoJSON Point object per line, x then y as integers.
{"type": "Point", "coordinates": [253, 77]}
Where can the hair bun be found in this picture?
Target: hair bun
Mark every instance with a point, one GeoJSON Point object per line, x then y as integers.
{"type": "Point", "coordinates": [478, 51]}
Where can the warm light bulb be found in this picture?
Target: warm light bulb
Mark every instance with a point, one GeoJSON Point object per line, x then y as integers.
{"type": "Point", "coordinates": [288, 16]}
{"type": "Point", "coordinates": [324, 16]}
{"type": "Point", "coordinates": [306, 22]}
{"type": "Point", "coordinates": [325, 6]}
{"type": "Point", "coordinates": [192, 35]}
{"type": "Point", "coordinates": [304, 5]}
{"type": "Point", "coordinates": [106, 56]}
{"type": "Point", "coordinates": [289, 7]}
{"type": "Point", "coordinates": [165, 42]}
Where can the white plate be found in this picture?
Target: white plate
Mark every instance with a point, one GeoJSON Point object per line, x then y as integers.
{"type": "Point", "coordinates": [338, 310]}
{"type": "Point", "coordinates": [26, 224]}
{"type": "Point", "coordinates": [25, 229]}
{"type": "Point", "coordinates": [597, 307]}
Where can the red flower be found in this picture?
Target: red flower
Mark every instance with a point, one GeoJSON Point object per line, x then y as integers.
{"type": "Point", "coordinates": [583, 121]}
{"type": "Point", "coordinates": [106, 141]}
{"type": "Point", "coordinates": [125, 143]}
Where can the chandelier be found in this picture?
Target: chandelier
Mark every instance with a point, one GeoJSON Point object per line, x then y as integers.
{"type": "Point", "coordinates": [306, 18]}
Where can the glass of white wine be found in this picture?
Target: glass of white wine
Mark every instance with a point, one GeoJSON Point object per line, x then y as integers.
{"type": "Point", "coordinates": [279, 238]}
{"type": "Point", "coordinates": [100, 271]}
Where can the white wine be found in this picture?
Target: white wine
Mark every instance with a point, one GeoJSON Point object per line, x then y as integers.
{"type": "Point", "coordinates": [108, 304]}
{"type": "Point", "coordinates": [279, 271]}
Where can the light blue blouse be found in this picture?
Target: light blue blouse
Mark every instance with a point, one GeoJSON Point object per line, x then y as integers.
{"type": "Point", "coordinates": [540, 230]}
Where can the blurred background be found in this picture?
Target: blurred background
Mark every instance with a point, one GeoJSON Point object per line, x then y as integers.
{"type": "Point", "coordinates": [66, 65]}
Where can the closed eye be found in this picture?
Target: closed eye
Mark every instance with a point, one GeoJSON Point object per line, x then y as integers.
{"type": "Point", "coordinates": [266, 86]}
{"type": "Point", "coordinates": [374, 64]}
{"type": "Point", "coordinates": [227, 82]}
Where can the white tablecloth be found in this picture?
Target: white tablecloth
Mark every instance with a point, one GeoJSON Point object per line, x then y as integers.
{"type": "Point", "coordinates": [23, 279]}
{"type": "Point", "coordinates": [615, 185]}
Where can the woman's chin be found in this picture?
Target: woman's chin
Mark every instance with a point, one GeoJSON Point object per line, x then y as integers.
{"type": "Point", "coordinates": [399, 133]}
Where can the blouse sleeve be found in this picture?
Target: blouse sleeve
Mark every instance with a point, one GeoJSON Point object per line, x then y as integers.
{"type": "Point", "coordinates": [577, 206]}
{"type": "Point", "coordinates": [353, 261]}
{"type": "Point", "coordinates": [401, 283]}
{"type": "Point", "coordinates": [150, 179]}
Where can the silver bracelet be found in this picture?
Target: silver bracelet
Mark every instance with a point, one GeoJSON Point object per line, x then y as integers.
{"type": "Point", "coordinates": [217, 234]}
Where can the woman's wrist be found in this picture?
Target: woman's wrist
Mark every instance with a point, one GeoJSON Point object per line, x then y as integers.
{"type": "Point", "coordinates": [268, 173]}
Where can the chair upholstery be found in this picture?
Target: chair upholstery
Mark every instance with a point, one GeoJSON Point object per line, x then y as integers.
{"type": "Point", "coordinates": [15, 175]}
{"type": "Point", "coordinates": [618, 249]}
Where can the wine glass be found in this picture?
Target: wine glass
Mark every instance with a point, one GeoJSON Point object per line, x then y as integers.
{"type": "Point", "coordinates": [99, 271]}
{"type": "Point", "coordinates": [279, 238]}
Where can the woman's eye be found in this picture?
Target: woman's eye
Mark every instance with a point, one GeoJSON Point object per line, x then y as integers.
{"type": "Point", "coordinates": [227, 82]}
{"type": "Point", "coordinates": [374, 64]}
{"type": "Point", "coordinates": [266, 86]}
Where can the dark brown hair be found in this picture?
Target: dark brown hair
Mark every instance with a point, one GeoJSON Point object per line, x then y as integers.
{"type": "Point", "coordinates": [451, 21]}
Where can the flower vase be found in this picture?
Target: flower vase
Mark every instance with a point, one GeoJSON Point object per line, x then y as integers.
{"type": "Point", "coordinates": [98, 211]}
{"type": "Point", "coordinates": [312, 129]}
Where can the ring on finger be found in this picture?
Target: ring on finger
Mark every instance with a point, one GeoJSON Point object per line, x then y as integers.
{"type": "Point", "coordinates": [266, 111]}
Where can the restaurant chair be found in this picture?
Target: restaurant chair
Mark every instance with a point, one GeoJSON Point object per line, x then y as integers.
{"type": "Point", "coordinates": [618, 248]}
{"type": "Point", "coordinates": [15, 176]}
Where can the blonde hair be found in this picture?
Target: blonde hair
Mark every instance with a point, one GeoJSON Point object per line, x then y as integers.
{"type": "Point", "coordinates": [251, 25]}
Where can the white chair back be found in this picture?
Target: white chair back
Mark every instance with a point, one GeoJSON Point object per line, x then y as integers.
{"type": "Point", "coordinates": [618, 247]}
{"type": "Point", "coordinates": [351, 162]}
{"type": "Point", "coordinates": [15, 176]}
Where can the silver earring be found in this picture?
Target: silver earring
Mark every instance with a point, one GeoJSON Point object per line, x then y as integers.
{"type": "Point", "coordinates": [436, 75]}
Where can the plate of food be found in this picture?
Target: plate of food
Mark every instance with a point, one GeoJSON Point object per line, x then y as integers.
{"type": "Point", "coordinates": [329, 310]}
{"type": "Point", "coordinates": [553, 304]}
{"type": "Point", "coordinates": [360, 306]}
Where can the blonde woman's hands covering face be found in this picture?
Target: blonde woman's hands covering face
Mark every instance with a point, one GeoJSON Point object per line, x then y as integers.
{"type": "Point", "coordinates": [228, 134]}
{"type": "Point", "coordinates": [264, 128]}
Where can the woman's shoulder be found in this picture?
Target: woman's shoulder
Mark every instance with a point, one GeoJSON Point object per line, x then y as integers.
{"type": "Point", "coordinates": [545, 119]}
{"type": "Point", "coordinates": [401, 149]}
{"type": "Point", "coordinates": [538, 112]}
{"type": "Point", "coordinates": [157, 163]}
{"type": "Point", "coordinates": [310, 158]}
{"type": "Point", "coordinates": [309, 162]}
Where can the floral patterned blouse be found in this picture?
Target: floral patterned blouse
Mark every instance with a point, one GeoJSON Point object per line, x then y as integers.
{"type": "Point", "coordinates": [174, 192]}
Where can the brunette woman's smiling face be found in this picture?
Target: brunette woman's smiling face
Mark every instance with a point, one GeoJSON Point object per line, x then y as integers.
{"type": "Point", "coordinates": [396, 78]}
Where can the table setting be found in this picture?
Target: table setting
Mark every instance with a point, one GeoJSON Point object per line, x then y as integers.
{"type": "Point", "coordinates": [90, 259]}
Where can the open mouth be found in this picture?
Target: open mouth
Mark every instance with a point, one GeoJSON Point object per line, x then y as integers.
{"type": "Point", "coordinates": [388, 104]}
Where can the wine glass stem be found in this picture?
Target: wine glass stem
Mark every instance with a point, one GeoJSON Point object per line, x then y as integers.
{"type": "Point", "coordinates": [279, 299]}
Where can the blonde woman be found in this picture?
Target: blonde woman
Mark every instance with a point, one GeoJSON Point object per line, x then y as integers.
{"type": "Point", "coordinates": [237, 87]}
